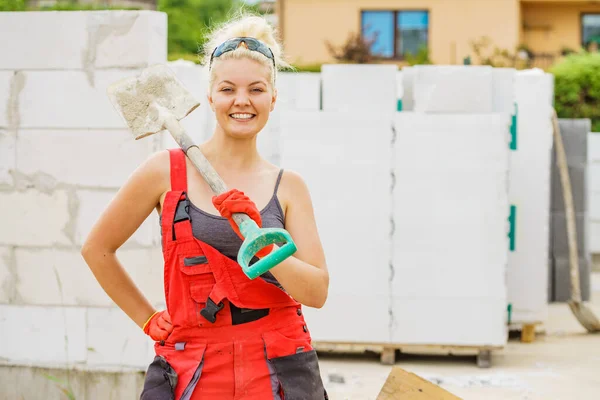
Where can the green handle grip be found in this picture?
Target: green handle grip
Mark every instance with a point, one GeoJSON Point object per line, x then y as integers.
{"type": "Point", "coordinates": [255, 240]}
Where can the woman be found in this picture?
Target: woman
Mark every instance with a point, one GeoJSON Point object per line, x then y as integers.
{"type": "Point", "coordinates": [222, 336]}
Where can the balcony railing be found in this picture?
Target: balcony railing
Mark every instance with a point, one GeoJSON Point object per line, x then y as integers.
{"type": "Point", "coordinates": [543, 60]}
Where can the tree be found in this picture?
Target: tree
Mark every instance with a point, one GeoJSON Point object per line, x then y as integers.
{"type": "Point", "coordinates": [577, 87]}
{"type": "Point", "coordinates": [191, 20]}
{"type": "Point", "coordinates": [13, 5]}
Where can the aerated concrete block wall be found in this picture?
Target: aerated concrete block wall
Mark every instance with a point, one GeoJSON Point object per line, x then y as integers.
{"type": "Point", "coordinates": [64, 153]}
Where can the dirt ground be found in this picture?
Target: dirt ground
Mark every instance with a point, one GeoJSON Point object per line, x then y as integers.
{"type": "Point", "coordinates": [562, 364]}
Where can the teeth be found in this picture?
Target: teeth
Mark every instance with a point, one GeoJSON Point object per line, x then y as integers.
{"type": "Point", "coordinates": [242, 116]}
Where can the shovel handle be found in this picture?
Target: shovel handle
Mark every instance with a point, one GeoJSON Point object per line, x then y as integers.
{"type": "Point", "coordinates": [212, 178]}
{"type": "Point", "coordinates": [201, 163]}
{"type": "Point", "coordinates": [255, 238]}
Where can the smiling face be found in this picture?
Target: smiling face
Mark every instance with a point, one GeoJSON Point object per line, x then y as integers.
{"type": "Point", "coordinates": [242, 97]}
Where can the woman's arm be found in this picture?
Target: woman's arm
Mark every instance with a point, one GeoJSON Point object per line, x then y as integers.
{"type": "Point", "coordinates": [130, 207]}
{"type": "Point", "coordinates": [304, 275]}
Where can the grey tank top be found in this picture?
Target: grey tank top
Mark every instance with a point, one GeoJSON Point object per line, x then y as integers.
{"type": "Point", "coordinates": [215, 230]}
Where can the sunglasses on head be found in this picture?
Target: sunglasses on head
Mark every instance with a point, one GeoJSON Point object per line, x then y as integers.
{"type": "Point", "coordinates": [252, 44]}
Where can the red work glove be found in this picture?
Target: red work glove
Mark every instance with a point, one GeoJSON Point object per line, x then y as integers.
{"type": "Point", "coordinates": [159, 326]}
{"type": "Point", "coordinates": [235, 201]}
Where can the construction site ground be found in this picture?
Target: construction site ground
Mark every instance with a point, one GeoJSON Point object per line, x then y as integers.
{"type": "Point", "coordinates": [563, 363]}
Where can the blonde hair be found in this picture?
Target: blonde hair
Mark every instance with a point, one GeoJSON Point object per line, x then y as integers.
{"type": "Point", "coordinates": [248, 26]}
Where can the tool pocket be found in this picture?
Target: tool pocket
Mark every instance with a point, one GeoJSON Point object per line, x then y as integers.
{"type": "Point", "coordinates": [199, 281]}
{"type": "Point", "coordinates": [294, 362]}
{"type": "Point", "coordinates": [188, 361]}
{"type": "Point", "coordinates": [160, 381]}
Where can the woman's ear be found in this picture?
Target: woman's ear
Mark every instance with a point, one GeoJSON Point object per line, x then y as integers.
{"type": "Point", "coordinates": [273, 99]}
{"type": "Point", "coordinates": [211, 103]}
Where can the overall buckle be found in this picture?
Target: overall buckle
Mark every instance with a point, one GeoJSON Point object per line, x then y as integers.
{"type": "Point", "coordinates": [210, 311]}
{"type": "Point", "coordinates": [182, 213]}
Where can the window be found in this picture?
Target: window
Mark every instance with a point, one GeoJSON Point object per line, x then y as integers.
{"type": "Point", "coordinates": [395, 33]}
{"type": "Point", "coordinates": [590, 24]}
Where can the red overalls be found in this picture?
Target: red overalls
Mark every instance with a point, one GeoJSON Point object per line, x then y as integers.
{"type": "Point", "coordinates": [210, 354]}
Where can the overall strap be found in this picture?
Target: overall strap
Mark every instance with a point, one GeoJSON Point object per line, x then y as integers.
{"type": "Point", "coordinates": [278, 181]}
{"type": "Point", "coordinates": [178, 170]}
{"type": "Point", "coordinates": [176, 223]}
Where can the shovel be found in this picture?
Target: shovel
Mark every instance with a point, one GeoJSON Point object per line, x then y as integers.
{"type": "Point", "coordinates": [156, 100]}
{"type": "Point", "coordinates": [584, 315]}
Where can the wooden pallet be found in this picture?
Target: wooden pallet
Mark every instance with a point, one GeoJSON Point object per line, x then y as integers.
{"type": "Point", "coordinates": [387, 351]}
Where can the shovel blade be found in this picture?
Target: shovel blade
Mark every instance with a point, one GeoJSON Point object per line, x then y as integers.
{"type": "Point", "coordinates": [138, 100]}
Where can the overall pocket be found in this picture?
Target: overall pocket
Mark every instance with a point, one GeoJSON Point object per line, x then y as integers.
{"type": "Point", "coordinates": [199, 281]}
{"type": "Point", "coordinates": [187, 361]}
{"type": "Point", "coordinates": [160, 381]}
{"type": "Point", "coordinates": [295, 363]}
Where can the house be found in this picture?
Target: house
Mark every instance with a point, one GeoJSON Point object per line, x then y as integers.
{"type": "Point", "coordinates": [539, 30]}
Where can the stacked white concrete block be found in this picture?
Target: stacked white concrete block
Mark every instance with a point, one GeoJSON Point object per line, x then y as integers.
{"type": "Point", "coordinates": [450, 206]}
{"type": "Point", "coordinates": [364, 163]}
{"type": "Point", "coordinates": [593, 199]}
{"type": "Point", "coordinates": [295, 92]}
{"type": "Point", "coordinates": [359, 88]}
{"type": "Point", "coordinates": [530, 195]}
{"type": "Point", "coordinates": [457, 89]}
{"type": "Point", "coordinates": [344, 154]}
{"type": "Point", "coordinates": [485, 89]}
{"type": "Point", "coordinates": [452, 89]}
{"type": "Point", "coordinates": [344, 159]}
{"type": "Point", "coordinates": [64, 153]}
{"type": "Point", "coordinates": [450, 244]}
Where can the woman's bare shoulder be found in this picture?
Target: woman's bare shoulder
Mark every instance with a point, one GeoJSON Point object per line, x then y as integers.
{"type": "Point", "coordinates": [292, 179]}
{"type": "Point", "coordinates": [158, 165]}
{"type": "Point", "coordinates": [156, 172]}
{"type": "Point", "coordinates": [293, 189]}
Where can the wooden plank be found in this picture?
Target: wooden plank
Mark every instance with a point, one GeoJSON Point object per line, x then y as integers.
{"type": "Point", "coordinates": [388, 356]}
{"type": "Point", "coordinates": [528, 333]}
{"type": "Point", "coordinates": [403, 385]}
